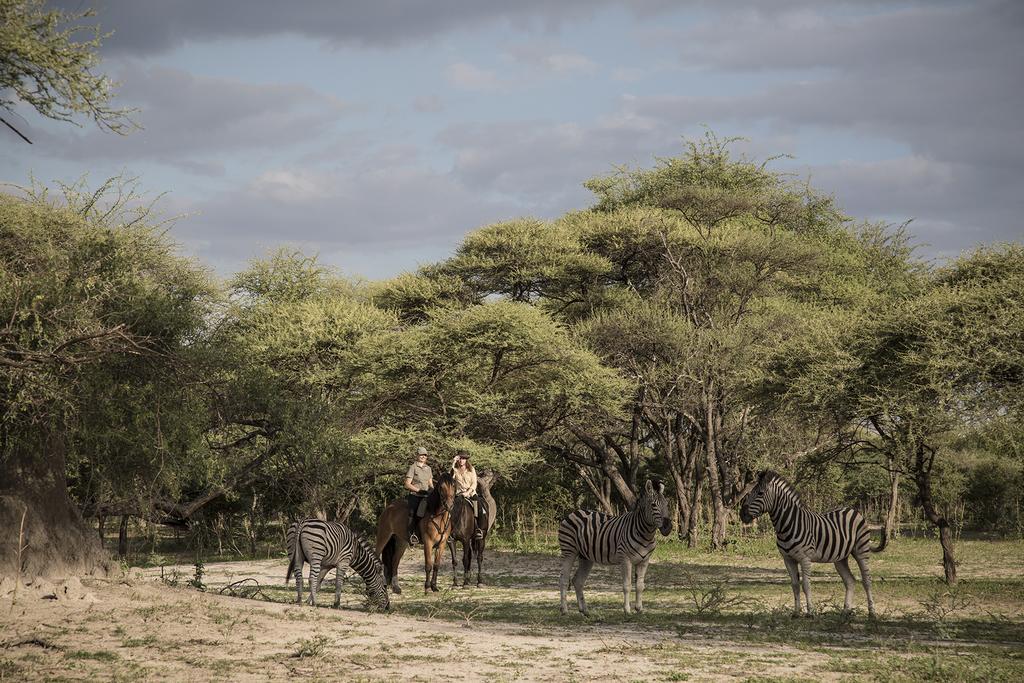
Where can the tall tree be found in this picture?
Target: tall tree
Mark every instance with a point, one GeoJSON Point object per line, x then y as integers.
{"type": "Point", "coordinates": [87, 289]}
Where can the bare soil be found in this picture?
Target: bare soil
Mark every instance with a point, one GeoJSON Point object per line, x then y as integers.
{"type": "Point", "coordinates": [139, 628]}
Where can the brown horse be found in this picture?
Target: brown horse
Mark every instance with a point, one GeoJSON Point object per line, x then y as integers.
{"type": "Point", "coordinates": [464, 527]}
{"type": "Point", "coordinates": [392, 529]}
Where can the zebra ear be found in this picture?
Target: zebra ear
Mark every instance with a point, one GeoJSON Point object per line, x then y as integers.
{"type": "Point", "coordinates": [649, 487]}
{"type": "Point", "coordinates": [761, 475]}
{"type": "Point", "coordinates": [661, 487]}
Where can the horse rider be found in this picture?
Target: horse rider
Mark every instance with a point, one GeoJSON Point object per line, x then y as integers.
{"type": "Point", "coordinates": [419, 480]}
{"type": "Point", "coordinates": [465, 486]}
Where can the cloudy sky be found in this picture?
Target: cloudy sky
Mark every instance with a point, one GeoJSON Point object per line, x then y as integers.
{"type": "Point", "coordinates": [376, 134]}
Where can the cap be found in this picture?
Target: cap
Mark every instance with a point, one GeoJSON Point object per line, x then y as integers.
{"type": "Point", "coordinates": [421, 451]}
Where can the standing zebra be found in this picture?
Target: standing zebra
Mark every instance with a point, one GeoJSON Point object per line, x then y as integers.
{"type": "Point", "coordinates": [626, 540]}
{"type": "Point", "coordinates": [804, 536]}
{"type": "Point", "coordinates": [327, 545]}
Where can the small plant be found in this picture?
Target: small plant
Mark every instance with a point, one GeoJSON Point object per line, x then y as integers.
{"type": "Point", "coordinates": [710, 597]}
{"type": "Point", "coordinates": [171, 578]}
{"type": "Point", "coordinates": [312, 647]}
{"type": "Point", "coordinates": [944, 601]}
{"type": "Point", "coordinates": [197, 580]}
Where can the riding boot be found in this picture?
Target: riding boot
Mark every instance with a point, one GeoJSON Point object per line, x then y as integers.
{"type": "Point", "coordinates": [413, 539]}
{"type": "Point", "coordinates": [481, 524]}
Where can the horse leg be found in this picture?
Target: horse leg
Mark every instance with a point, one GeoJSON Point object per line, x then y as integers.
{"type": "Point", "coordinates": [452, 544]}
{"type": "Point", "coordinates": [428, 563]}
{"type": "Point", "coordinates": [467, 560]}
{"type": "Point", "coordinates": [436, 565]}
{"type": "Point", "coordinates": [480, 560]}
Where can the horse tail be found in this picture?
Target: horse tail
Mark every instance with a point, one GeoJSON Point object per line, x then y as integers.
{"type": "Point", "coordinates": [387, 556]}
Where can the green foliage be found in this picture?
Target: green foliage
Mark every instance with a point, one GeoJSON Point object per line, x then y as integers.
{"type": "Point", "coordinates": [45, 65]}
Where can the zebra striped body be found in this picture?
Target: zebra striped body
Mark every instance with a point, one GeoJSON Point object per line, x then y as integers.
{"type": "Point", "coordinates": [804, 536]}
{"type": "Point", "coordinates": [627, 540]}
{"type": "Point", "coordinates": [330, 545]}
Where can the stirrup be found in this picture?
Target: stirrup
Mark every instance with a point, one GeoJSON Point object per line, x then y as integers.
{"type": "Point", "coordinates": [413, 538]}
{"type": "Point", "coordinates": [478, 534]}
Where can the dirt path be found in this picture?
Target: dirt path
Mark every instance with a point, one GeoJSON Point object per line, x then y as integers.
{"type": "Point", "coordinates": [142, 629]}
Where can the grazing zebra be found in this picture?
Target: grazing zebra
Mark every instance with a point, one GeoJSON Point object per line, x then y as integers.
{"type": "Point", "coordinates": [626, 540]}
{"type": "Point", "coordinates": [804, 536]}
{"type": "Point", "coordinates": [327, 545]}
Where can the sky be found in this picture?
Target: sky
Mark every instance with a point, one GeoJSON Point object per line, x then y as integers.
{"type": "Point", "coordinates": [377, 134]}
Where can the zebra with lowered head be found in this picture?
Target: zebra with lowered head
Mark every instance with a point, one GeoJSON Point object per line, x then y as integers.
{"type": "Point", "coordinates": [626, 540]}
{"type": "Point", "coordinates": [804, 537]}
{"type": "Point", "coordinates": [327, 545]}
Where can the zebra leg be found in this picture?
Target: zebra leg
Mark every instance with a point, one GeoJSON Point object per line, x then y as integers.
{"type": "Point", "coordinates": [298, 586]}
{"type": "Point", "coordinates": [314, 580]}
{"type": "Point", "coordinates": [579, 579]}
{"type": "Point", "coordinates": [865, 578]}
{"type": "Point", "coordinates": [641, 574]}
{"type": "Point", "coordinates": [805, 577]}
{"type": "Point", "coordinates": [337, 587]}
{"type": "Point", "coordinates": [843, 567]}
{"type": "Point", "coordinates": [794, 581]}
{"type": "Point", "coordinates": [627, 583]}
{"type": "Point", "coordinates": [563, 579]}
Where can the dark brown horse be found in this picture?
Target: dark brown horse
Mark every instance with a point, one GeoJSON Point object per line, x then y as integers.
{"type": "Point", "coordinates": [392, 530]}
{"type": "Point", "coordinates": [464, 529]}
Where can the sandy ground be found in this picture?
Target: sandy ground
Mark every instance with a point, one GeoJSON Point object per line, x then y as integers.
{"type": "Point", "coordinates": [138, 628]}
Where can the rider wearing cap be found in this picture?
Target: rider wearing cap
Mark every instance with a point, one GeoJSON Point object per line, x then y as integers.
{"type": "Point", "coordinates": [419, 479]}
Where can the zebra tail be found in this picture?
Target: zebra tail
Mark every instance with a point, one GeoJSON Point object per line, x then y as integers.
{"type": "Point", "coordinates": [295, 556]}
{"type": "Point", "coordinates": [885, 539]}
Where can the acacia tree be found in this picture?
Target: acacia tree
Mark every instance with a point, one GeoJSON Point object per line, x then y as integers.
{"type": "Point", "coordinates": [90, 294]}
{"type": "Point", "coordinates": [44, 65]}
{"type": "Point", "coordinates": [901, 379]}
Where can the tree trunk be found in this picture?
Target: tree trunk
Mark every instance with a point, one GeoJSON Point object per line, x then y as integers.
{"type": "Point", "coordinates": [923, 476]}
{"type": "Point", "coordinates": [892, 517]}
{"type": "Point", "coordinates": [695, 506]}
{"type": "Point", "coordinates": [719, 513]}
{"type": "Point", "coordinates": [122, 538]}
{"type": "Point", "coordinates": [33, 482]}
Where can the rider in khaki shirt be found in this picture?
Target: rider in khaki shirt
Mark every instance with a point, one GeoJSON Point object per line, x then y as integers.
{"type": "Point", "coordinates": [419, 479]}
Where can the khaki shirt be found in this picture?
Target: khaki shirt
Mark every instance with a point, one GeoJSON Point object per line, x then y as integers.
{"type": "Point", "coordinates": [420, 476]}
{"type": "Point", "coordinates": [465, 482]}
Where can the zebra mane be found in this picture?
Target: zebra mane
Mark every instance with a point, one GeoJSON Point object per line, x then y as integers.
{"type": "Point", "coordinates": [363, 546]}
{"type": "Point", "coordinates": [769, 476]}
